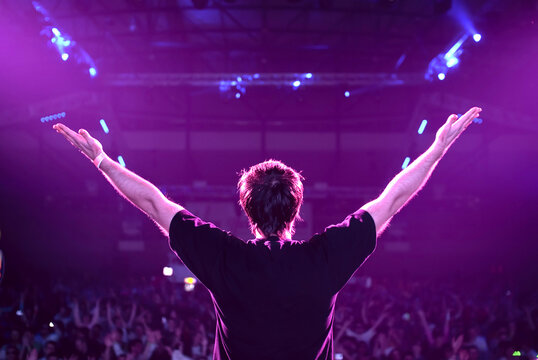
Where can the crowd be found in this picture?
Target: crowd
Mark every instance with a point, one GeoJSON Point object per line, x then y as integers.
{"type": "Point", "coordinates": [376, 318]}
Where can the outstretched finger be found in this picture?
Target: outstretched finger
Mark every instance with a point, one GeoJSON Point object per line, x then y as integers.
{"type": "Point", "coordinates": [452, 119]}
{"type": "Point", "coordinates": [469, 116]}
{"type": "Point", "coordinates": [66, 129]}
{"type": "Point", "coordinates": [85, 134]}
{"type": "Point", "coordinates": [69, 134]}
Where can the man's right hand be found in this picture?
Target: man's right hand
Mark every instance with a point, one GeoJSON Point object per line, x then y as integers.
{"type": "Point", "coordinates": [452, 128]}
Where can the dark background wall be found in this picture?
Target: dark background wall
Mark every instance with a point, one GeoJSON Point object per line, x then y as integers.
{"type": "Point", "coordinates": [178, 130]}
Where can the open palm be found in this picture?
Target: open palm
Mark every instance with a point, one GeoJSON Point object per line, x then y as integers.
{"type": "Point", "coordinates": [82, 140]}
{"type": "Point", "coordinates": [454, 127]}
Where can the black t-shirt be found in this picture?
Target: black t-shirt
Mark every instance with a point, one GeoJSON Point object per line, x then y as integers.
{"type": "Point", "coordinates": [273, 298]}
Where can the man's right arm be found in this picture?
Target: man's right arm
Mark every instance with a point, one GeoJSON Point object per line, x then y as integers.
{"type": "Point", "coordinates": [413, 178]}
{"type": "Point", "coordinates": [140, 192]}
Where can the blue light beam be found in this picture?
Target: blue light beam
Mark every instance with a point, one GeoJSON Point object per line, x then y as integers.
{"type": "Point", "coordinates": [103, 125]}
{"type": "Point", "coordinates": [121, 161]}
{"type": "Point", "coordinates": [422, 126]}
{"type": "Point", "coordinates": [451, 53]}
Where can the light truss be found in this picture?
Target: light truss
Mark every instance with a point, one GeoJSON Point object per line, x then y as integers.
{"type": "Point", "coordinates": [263, 79]}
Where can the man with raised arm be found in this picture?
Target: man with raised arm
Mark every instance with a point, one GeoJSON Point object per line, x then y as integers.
{"type": "Point", "coordinates": [274, 297]}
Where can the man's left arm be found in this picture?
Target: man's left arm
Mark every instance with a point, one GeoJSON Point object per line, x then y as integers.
{"type": "Point", "coordinates": [140, 192]}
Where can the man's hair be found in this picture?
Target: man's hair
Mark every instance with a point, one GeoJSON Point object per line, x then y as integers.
{"type": "Point", "coordinates": [271, 195]}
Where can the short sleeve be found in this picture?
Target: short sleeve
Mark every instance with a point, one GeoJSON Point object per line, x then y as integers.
{"type": "Point", "coordinates": [346, 246]}
{"type": "Point", "coordinates": [200, 245]}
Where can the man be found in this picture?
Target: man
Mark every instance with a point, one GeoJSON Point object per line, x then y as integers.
{"type": "Point", "coordinates": [274, 297]}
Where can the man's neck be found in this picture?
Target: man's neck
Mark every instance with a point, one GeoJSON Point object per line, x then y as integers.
{"type": "Point", "coordinates": [286, 235]}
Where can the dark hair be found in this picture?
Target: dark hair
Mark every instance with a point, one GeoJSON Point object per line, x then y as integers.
{"type": "Point", "coordinates": [271, 195]}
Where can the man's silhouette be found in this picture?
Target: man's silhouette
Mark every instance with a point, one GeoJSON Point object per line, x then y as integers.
{"type": "Point", "coordinates": [274, 297]}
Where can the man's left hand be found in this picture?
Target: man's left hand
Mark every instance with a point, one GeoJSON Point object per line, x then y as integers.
{"type": "Point", "coordinates": [82, 140]}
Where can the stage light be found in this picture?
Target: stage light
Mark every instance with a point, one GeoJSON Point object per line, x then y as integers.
{"type": "Point", "coordinates": [19, 312]}
{"type": "Point", "coordinates": [516, 353]}
{"type": "Point", "coordinates": [61, 41]}
{"type": "Point", "coordinates": [308, 75]}
{"type": "Point", "coordinates": [121, 161]}
{"type": "Point", "coordinates": [53, 117]}
{"type": "Point", "coordinates": [237, 95]}
{"type": "Point", "coordinates": [256, 76]}
{"type": "Point", "coordinates": [189, 280]}
{"type": "Point", "coordinates": [168, 271]}
{"type": "Point", "coordinates": [93, 71]}
{"type": "Point", "coordinates": [346, 94]}
{"type": "Point", "coordinates": [452, 61]}
{"type": "Point", "coordinates": [224, 86]}
{"type": "Point", "coordinates": [239, 79]}
{"type": "Point", "coordinates": [51, 324]}
{"type": "Point", "coordinates": [441, 76]}
{"type": "Point", "coordinates": [189, 283]}
{"type": "Point", "coordinates": [422, 126]}
{"type": "Point", "coordinates": [296, 83]}
{"type": "Point", "coordinates": [103, 125]}
{"type": "Point", "coordinates": [454, 49]}
{"type": "Point", "coordinates": [406, 162]}
{"type": "Point", "coordinates": [477, 37]}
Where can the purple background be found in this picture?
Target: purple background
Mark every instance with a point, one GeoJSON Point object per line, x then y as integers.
{"type": "Point", "coordinates": [477, 214]}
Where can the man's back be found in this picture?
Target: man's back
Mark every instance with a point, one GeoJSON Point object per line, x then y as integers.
{"type": "Point", "coordinates": [271, 195]}
{"type": "Point", "coordinates": [274, 299]}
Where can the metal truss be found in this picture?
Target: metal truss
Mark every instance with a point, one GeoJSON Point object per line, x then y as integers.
{"type": "Point", "coordinates": [263, 79]}
{"type": "Point", "coordinates": [243, 36]}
